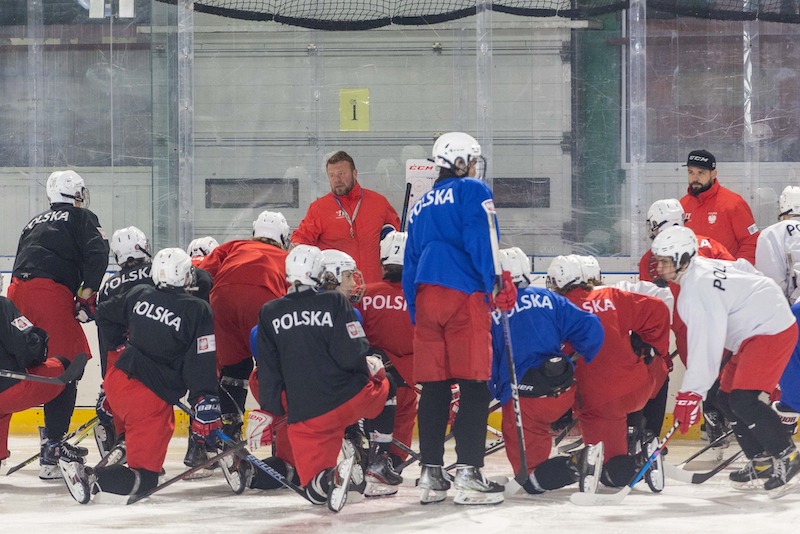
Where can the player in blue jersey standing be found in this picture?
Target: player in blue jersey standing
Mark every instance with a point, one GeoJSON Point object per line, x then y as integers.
{"type": "Point", "coordinates": [449, 284]}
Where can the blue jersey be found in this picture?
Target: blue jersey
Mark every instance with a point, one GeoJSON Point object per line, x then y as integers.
{"type": "Point", "coordinates": [790, 380]}
{"type": "Point", "coordinates": [448, 239]}
{"type": "Point", "coordinates": [540, 323]}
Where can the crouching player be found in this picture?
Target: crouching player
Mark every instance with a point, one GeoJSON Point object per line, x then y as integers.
{"type": "Point", "coordinates": [170, 348]}
{"type": "Point", "coordinates": [312, 347]}
{"type": "Point", "coordinates": [540, 323]}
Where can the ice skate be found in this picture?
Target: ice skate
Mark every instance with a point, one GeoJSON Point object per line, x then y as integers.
{"type": "Point", "coordinates": [654, 476]}
{"type": "Point", "coordinates": [473, 488]}
{"type": "Point", "coordinates": [105, 437]}
{"type": "Point", "coordinates": [433, 483]}
{"type": "Point", "coordinates": [339, 483]}
{"type": "Point", "coordinates": [588, 463]}
{"type": "Point", "coordinates": [78, 478]}
{"type": "Point", "coordinates": [238, 472]}
{"type": "Point", "coordinates": [196, 454]}
{"type": "Point", "coordinates": [754, 474]}
{"type": "Point", "coordinates": [382, 479]}
{"type": "Point", "coordinates": [784, 469]}
{"type": "Point", "coordinates": [52, 452]}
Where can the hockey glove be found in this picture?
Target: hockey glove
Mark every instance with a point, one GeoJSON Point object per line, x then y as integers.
{"type": "Point", "coordinates": [687, 409]}
{"type": "Point", "coordinates": [504, 299]}
{"type": "Point", "coordinates": [207, 416]}
{"type": "Point", "coordinates": [260, 429]}
{"type": "Point", "coordinates": [85, 308]}
{"type": "Point", "coordinates": [377, 371]}
{"type": "Point", "coordinates": [643, 350]}
{"type": "Point", "coordinates": [36, 340]}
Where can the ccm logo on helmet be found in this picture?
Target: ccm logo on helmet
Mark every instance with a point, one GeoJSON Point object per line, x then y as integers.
{"type": "Point", "coordinates": [420, 168]}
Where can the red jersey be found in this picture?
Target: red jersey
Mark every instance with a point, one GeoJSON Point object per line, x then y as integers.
{"type": "Point", "coordinates": [725, 216]}
{"type": "Point", "coordinates": [248, 262]}
{"type": "Point", "coordinates": [617, 370]}
{"type": "Point", "coordinates": [326, 226]}
{"type": "Point", "coordinates": [388, 325]}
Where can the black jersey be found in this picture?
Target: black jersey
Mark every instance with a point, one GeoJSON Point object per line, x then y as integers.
{"type": "Point", "coordinates": [65, 244]}
{"type": "Point", "coordinates": [171, 345]}
{"type": "Point", "coordinates": [312, 346]}
{"type": "Point", "coordinates": [112, 335]}
{"type": "Point", "coordinates": [22, 345]}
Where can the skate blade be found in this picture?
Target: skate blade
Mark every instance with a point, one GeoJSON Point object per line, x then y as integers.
{"type": "Point", "coordinates": [337, 496]}
{"type": "Point", "coordinates": [780, 491]}
{"type": "Point", "coordinates": [79, 491]}
{"type": "Point", "coordinates": [477, 498]}
{"type": "Point", "coordinates": [104, 497]}
{"type": "Point", "coordinates": [430, 496]}
{"type": "Point", "coordinates": [378, 489]}
{"type": "Point", "coordinates": [753, 486]}
{"type": "Point", "coordinates": [49, 472]}
{"type": "Point", "coordinates": [200, 475]}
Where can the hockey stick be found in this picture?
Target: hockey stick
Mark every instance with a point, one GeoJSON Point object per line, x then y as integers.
{"type": "Point", "coordinates": [609, 499]}
{"type": "Point", "coordinates": [185, 474]}
{"type": "Point", "coordinates": [706, 448]}
{"type": "Point", "coordinates": [241, 452]}
{"type": "Point", "coordinates": [73, 372]}
{"type": "Point", "coordinates": [405, 207]}
{"type": "Point", "coordinates": [81, 432]}
{"type": "Point", "coordinates": [522, 473]}
{"type": "Point", "coordinates": [676, 473]}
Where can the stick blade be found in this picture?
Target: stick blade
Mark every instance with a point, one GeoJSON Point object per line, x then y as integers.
{"type": "Point", "coordinates": [75, 369]}
{"type": "Point", "coordinates": [600, 499]}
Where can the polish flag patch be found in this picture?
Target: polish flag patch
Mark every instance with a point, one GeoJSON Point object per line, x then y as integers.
{"type": "Point", "coordinates": [355, 330]}
{"type": "Point", "coordinates": [22, 323]}
{"type": "Point", "coordinates": [206, 344]}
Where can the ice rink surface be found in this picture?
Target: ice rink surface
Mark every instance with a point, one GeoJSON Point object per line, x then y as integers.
{"type": "Point", "coordinates": [30, 505]}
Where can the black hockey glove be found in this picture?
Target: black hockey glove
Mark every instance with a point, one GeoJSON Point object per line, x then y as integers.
{"type": "Point", "coordinates": [643, 350]}
{"type": "Point", "coordinates": [85, 308]}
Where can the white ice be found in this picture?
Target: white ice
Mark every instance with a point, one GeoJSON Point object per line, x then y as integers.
{"type": "Point", "coordinates": [28, 504]}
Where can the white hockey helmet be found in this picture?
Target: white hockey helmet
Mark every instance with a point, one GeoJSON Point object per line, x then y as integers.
{"type": "Point", "coordinates": [563, 272]}
{"type": "Point", "coordinates": [455, 151]}
{"type": "Point", "coordinates": [202, 246]}
{"type": "Point", "coordinates": [172, 267]}
{"type": "Point", "coordinates": [304, 265]}
{"type": "Point", "coordinates": [67, 186]}
{"type": "Point", "coordinates": [515, 261]}
{"type": "Point", "coordinates": [393, 248]}
{"type": "Point", "coordinates": [336, 262]}
{"type": "Point", "coordinates": [789, 202]}
{"type": "Point", "coordinates": [130, 243]}
{"type": "Point", "coordinates": [663, 213]}
{"type": "Point", "coordinates": [590, 269]}
{"type": "Point", "coordinates": [678, 243]}
{"type": "Point", "coordinates": [272, 225]}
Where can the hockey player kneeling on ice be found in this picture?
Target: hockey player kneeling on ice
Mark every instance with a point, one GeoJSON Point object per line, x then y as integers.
{"type": "Point", "coordinates": [618, 381]}
{"type": "Point", "coordinates": [540, 323]}
{"type": "Point", "coordinates": [731, 306]}
{"type": "Point", "coordinates": [170, 348]}
{"type": "Point", "coordinates": [312, 348]}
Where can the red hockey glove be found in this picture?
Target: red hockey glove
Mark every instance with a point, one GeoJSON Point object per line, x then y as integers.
{"type": "Point", "coordinates": [260, 429]}
{"type": "Point", "coordinates": [207, 416]}
{"type": "Point", "coordinates": [85, 308]}
{"type": "Point", "coordinates": [505, 298]}
{"type": "Point", "coordinates": [687, 409]}
{"type": "Point", "coordinates": [377, 371]}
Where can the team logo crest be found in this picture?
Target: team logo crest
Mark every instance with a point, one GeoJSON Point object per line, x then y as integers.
{"type": "Point", "coordinates": [712, 217]}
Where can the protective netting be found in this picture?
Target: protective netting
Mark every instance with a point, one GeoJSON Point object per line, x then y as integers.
{"type": "Point", "coordinates": [342, 15]}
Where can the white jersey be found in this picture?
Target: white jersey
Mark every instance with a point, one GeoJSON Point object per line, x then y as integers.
{"type": "Point", "coordinates": [777, 250]}
{"type": "Point", "coordinates": [649, 289]}
{"type": "Point", "coordinates": [723, 303]}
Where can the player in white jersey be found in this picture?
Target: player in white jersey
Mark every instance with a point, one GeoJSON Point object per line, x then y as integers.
{"type": "Point", "coordinates": [730, 305]}
{"type": "Point", "coordinates": [778, 246]}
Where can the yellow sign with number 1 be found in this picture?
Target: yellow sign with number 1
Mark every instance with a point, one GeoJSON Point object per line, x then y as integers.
{"type": "Point", "coordinates": [354, 110]}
